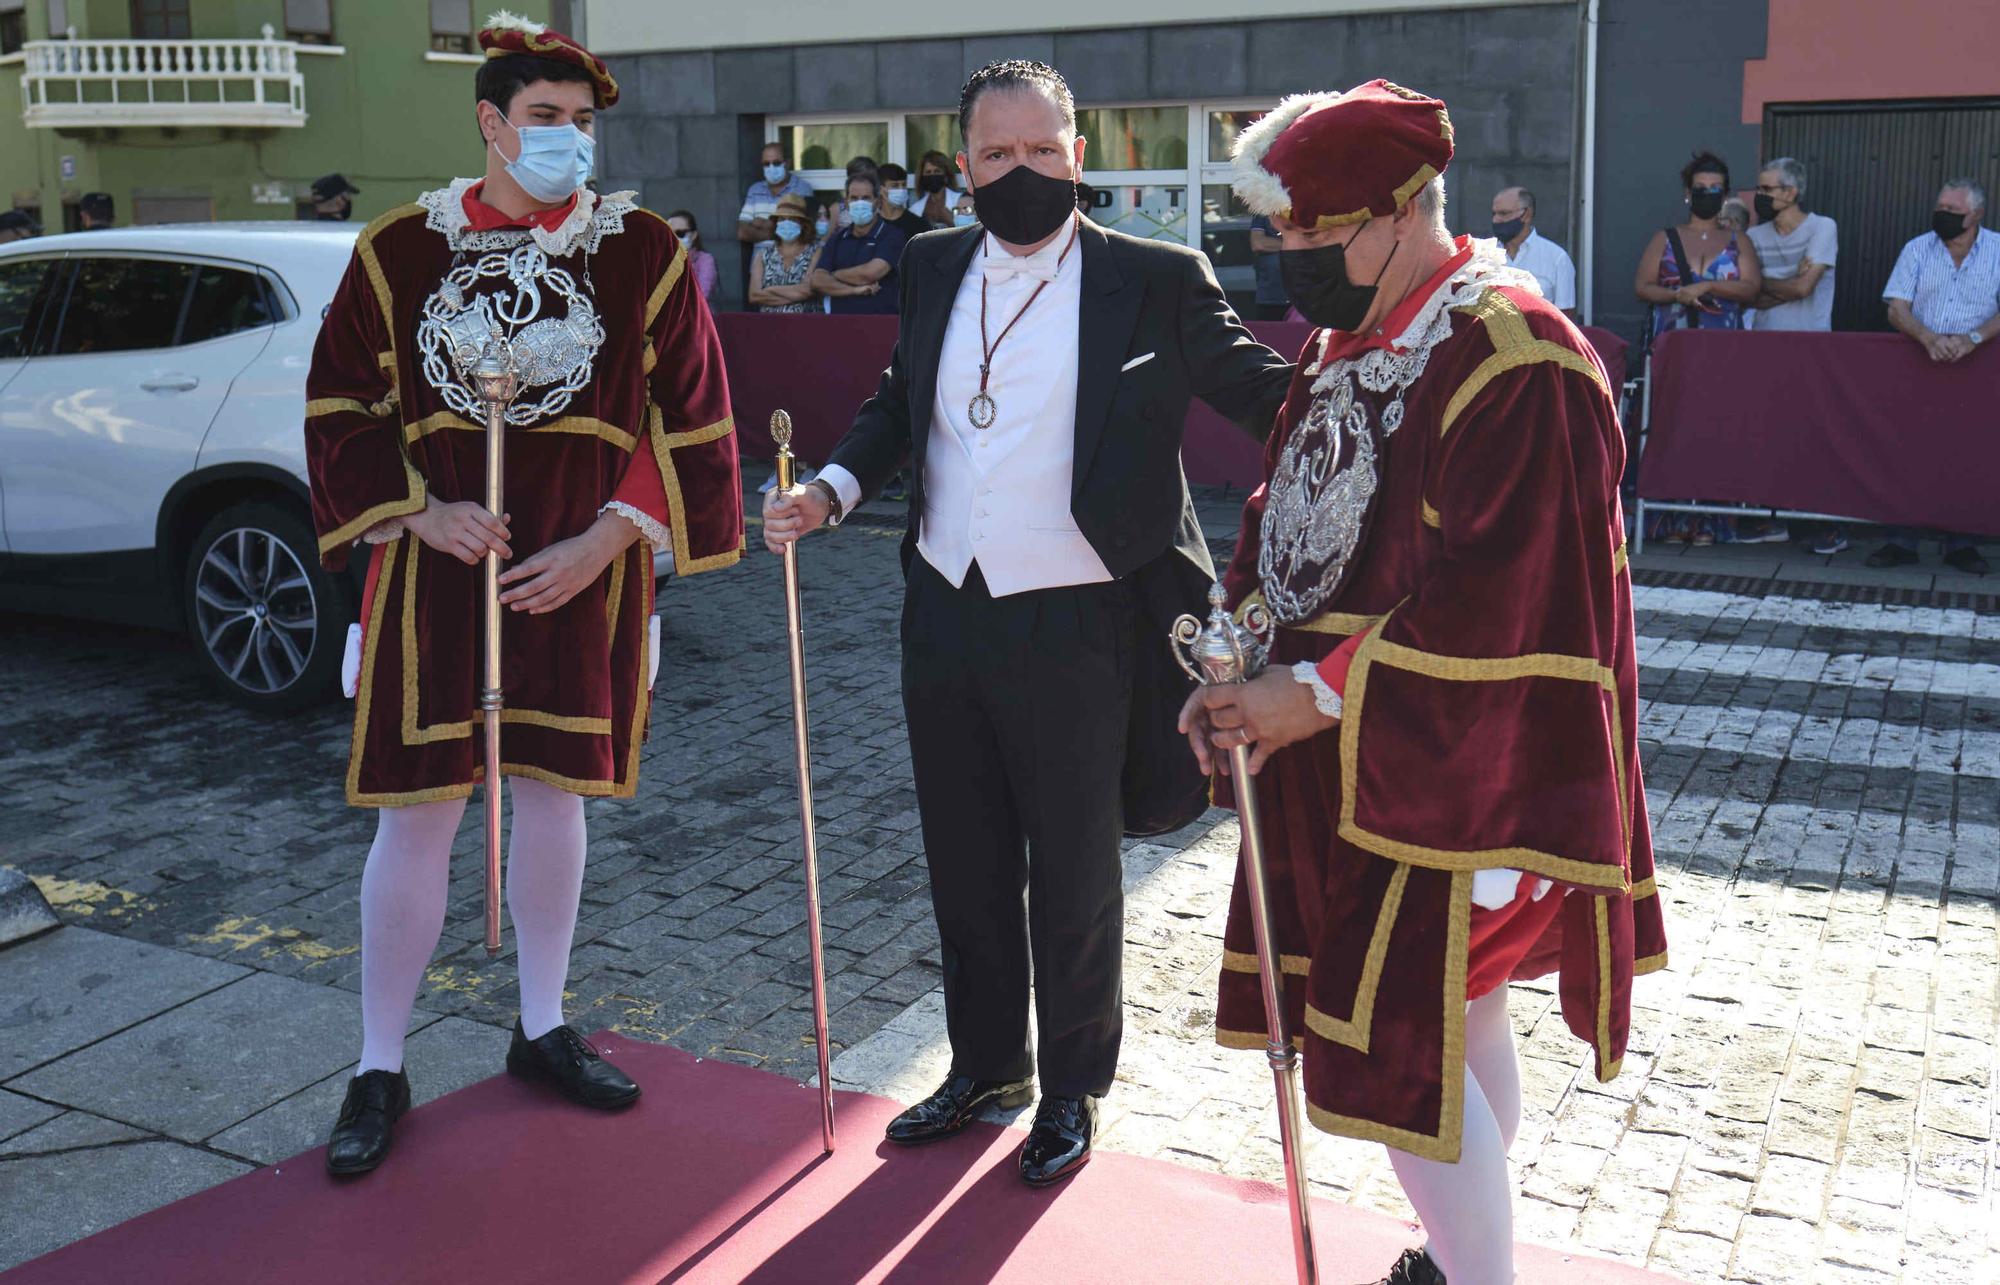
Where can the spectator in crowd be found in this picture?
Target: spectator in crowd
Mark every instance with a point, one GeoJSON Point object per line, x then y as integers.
{"type": "Point", "coordinates": [837, 212]}
{"type": "Point", "coordinates": [857, 267]}
{"type": "Point", "coordinates": [1698, 275]}
{"type": "Point", "coordinates": [17, 225]}
{"type": "Point", "coordinates": [1086, 198]}
{"type": "Point", "coordinates": [95, 210]}
{"type": "Point", "coordinates": [1735, 217]}
{"type": "Point", "coordinates": [333, 198]}
{"type": "Point", "coordinates": [896, 192]}
{"type": "Point", "coordinates": [1548, 263]}
{"type": "Point", "coordinates": [1945, 294]}
{"type": "Point", "coordinates": [700, 261]}
{"type": "Point", "coordinates": [1796, 252]}
{"type": "Point", "coordinates": [966, 212]}
{"type": "Point", "coordinates": [1272, 301]}
{"type": "Point", "coordinates": [779, 272]}
{"type": "Point", "coordinates": [935, 193]}
{"type": "Point", "coordinates": [753, 223]}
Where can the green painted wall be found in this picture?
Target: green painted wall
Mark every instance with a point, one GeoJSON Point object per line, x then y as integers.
{"type": "Point", "coordinates": [392, 121]}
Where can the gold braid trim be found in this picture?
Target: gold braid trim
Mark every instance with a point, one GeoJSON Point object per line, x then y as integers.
{"type": "Point", "coordinates": [1251, 1040]}
{"type": "Point", "coordinates": [413, 734]}
{"type": "Point", "coordinates": [337, 405]}
{"type": "Point", "coordinates": [1431, 516]}
{"type": "Point", "coordinates": [1645, 888]}
{"type": "Point", "coordinates": [1621, 559]}
{"type": "Point", "coordinates": [1376, 649]}
{"type": "Point", "coordinates": [664, 445]}
{"type": "Point", "coordinates": [580, 424]}
{"type": "Point", "coordinates": [350, 531]}
{"type": "Point", "coordinates": [1340, 624]}
{"type": "Point", "coordinates": [658, 299]}
{"type": "Point", "coordinates": [1237, 961]}
{"type": "Point", "coordinates": [1354, 1031]}
{"type": "Point", "coordinates": [1607, 1066]}
{"type": "Point", "coordinates": [1649, 964]}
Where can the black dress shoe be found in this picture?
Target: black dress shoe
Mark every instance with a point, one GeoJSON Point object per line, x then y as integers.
{"type": "Point", "coordinates": [1967, 560]}
{"type": "Point", "coordinates": [1059, 1144]}
{"type": "Point", "coordinates": [565, 1059]}
{"type": "Point", "coordinates": [1414, 1268]}
{"type": "Point", "coordinates": [1892, 555]}
{"type": "Point", "coordinates": [367, 1121]}
{"type": "Point", "coordinates": [953, 1106]}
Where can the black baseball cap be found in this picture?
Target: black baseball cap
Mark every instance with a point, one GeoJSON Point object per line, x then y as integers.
{"type": "Point", "coordinates": [332, 185]}
{"type": "Point", "coordinates": [18, 221]}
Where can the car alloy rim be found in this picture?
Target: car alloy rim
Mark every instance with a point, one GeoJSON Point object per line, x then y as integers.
{"type": "Point", "coordinates": [255, 611]}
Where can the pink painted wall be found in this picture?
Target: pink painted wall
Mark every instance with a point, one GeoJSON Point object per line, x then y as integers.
{"type": "Point", "coordinates": [1829, 50]}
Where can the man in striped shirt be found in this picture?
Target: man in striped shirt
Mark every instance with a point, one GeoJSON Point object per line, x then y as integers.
{"type": "Point", "coordinates": [1945, 294]}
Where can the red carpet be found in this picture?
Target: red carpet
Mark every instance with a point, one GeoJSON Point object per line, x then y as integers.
{"type": "Point", "coordinates": [716, 1177]}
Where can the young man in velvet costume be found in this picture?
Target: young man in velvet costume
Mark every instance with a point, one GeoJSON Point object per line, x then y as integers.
{"type": "Point", "coordinates": [619, 443]}
{"type": "Point", "coordinates": [1444, 742]}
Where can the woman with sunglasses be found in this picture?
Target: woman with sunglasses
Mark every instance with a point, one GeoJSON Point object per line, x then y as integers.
{"type": "Point", "coordinates": [1698, 275]}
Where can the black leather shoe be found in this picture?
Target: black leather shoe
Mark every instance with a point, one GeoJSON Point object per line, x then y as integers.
{"type": "Point", "coordinates": [1967, 560]}
{"type": "Point", "coordinates": [953, 1106]}
{"type": "Point", "coordinates": [1414, 1268]}
{"type": "Point", "coordinates": [565, 1059]}
{"type": "Point", "coordinates": [1892, 555]}
{"type": "Point", "coordinates": [367, 1121]}
{"type": "Point", "coordinates": [1059, 1144]}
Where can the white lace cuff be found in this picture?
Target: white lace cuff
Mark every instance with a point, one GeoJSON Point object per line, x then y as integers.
{"type": "Point", "coordinates": [656, 534]}
{"type": "Point", "coordinates": [384, 531]}
{"type": "Point", "coordinates": [1327, 699]}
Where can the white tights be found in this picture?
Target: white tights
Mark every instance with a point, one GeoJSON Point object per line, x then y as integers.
{"type": "Point", "coordinates": [403, 892]}
{"type": "Point", "coordinates": [1467, 1208]}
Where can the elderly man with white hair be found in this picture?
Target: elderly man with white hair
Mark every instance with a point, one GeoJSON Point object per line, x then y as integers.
{"type": "Point", "coordinates": [1945, 294]}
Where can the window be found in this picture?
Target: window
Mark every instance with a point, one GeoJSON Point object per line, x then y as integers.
{"type": "Point", "coordinates": [13, 25]}
{"type": "Point", "coordinates": [161, 20]}
{"type": "Point", "coordinates": [21, 284]}
{"type": "Point", "coordinates": [116, 305]}
{"type": "Point", "coordinates": [451, 26]}
{"type": "Point", "coordinates": [932, 132]}
{"type": "Point", "coordinates": [828, 146]}
{"type": "Point", "coordinates": [225, 301]}
{"type": "Point", "coordinates": [310, 22]}
{"type": "Point", "coordinates": [1135, 138]}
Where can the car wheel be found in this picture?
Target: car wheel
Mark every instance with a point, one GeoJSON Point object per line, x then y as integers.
{"type": "Point", "coordinates": [269, 624]}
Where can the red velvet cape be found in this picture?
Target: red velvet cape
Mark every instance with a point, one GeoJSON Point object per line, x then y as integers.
{"type": "Point", "coordinates": [1490, 716]}
{"type": "Point", "coordinates": [379, 438]}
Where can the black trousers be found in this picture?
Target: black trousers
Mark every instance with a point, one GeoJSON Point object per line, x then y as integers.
{"type": "Point", "coordinates": [1017, 710]}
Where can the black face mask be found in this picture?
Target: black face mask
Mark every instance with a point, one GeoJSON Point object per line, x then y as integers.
{"type": "Point", "coordinates": [1316, 280]}
{"type": "Point", "coordinates": [1704, 205]}
{"type": "Point", "coordinates": [1024, 205]}
{"type": "Point", "coordinates": [1508, 230]}
{"type": "Point", "coordinates": [930, 183]}
{"type": "Point", "coordinates": [1767, 207]}
{"type": "Point", "coordinates": [1948, 225]}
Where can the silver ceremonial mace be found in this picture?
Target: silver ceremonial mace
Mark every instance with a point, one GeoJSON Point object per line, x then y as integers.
{"type": "Point", "coordinates": [781, 433]}
{"type": "Point", "coordinates": [492, 372]}
{"type": "Point", "coordinates": [1221, 651]}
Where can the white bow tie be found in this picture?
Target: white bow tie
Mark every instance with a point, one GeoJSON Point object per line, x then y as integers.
{"type": "Point", "coordinates": [1007, 267]}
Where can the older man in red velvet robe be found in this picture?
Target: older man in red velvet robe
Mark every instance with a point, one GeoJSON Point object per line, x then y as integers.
{"type": "Point", "coordinates": [1444, 742]}
{"type": "Point", "coordinates": [619, 443]}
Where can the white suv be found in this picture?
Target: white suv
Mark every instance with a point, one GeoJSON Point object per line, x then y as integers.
{"type": "Point", "coordinates": [152, 454]}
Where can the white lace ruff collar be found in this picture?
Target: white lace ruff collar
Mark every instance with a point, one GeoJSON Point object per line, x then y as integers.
{"type": "Point", "coordinates": [593, 218]}
{"type": "Point", "coordinates": [1486, 269]}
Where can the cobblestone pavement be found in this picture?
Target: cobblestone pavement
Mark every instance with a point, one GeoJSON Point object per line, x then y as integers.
{"type": "Point", "coordinates": [1809, 1095]}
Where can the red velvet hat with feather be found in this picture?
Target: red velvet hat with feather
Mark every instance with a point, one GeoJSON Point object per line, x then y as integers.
{"type": "Point", "coordinates": [510, 33]}
{"type": "Point", "coordinates": [1326, 160]}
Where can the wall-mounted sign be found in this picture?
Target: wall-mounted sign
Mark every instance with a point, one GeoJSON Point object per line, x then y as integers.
{"type": "Point", "coordinates": [68, 167]}
{"type": "Point", "coordinates": [270, 194]}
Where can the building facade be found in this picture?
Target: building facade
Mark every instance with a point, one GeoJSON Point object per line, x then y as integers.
{"type": "Point", "coordinates": [192, 110]}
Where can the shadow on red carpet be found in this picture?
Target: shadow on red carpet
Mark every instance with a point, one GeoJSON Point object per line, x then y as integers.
{"type": "Point", "coordinates": [716, 1176]}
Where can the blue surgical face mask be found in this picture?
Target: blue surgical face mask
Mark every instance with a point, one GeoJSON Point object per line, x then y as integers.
{"type": "Point", "coordinates": [963, 219]}
{"type": "Point", "coordinates": [554, 161]}
{"type": "Point", "coordinates": [774, 173]}
{"type": "Point", "coordinates": [862, 211]}
{"type": "Point", "coordinates": [819, 227]}
{"type": "Point", "coordinates": [899, 197]}
{"type": "Point", "coordinates": [789, 229]}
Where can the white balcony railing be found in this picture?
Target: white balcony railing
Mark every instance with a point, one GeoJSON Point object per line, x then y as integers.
{"type": "Point", "coordinates": [72, 84]}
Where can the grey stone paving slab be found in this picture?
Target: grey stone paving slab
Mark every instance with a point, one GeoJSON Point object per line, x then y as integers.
{"type": "Point", "coordinates": [70, 1131]}
{"type": "Point", "coordinates": [212, 1062]}
{"type": "Point", "coordinates": [441, 1058]}
{"type": "Point", "coordinates": [53, 1200]}
{"type": "Point", "coordinates": [18, 1113]}
{"type": "Point", "coordinates": [66, 989]}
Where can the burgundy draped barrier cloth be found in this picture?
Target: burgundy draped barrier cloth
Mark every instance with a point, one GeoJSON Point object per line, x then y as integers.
{"type": "Point", "coordinates": [1852, 425]}
{"type": "Point", "coordinates": [821, 369]}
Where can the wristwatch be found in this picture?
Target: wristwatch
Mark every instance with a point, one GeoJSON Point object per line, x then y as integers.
{"type": "Point", "coordinates": [1976, 338]}
{"type": "Point", "coordinates": [832, 499]}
